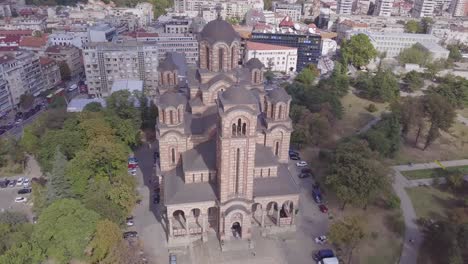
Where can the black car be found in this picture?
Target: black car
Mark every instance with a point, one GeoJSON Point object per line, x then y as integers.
{"type": "Point", "coordinates": [304, 175]}
{"type": "Point", "coordinates": [4, 184]}
{"type": "Point", "coordinates": [306, 170]}
{"type": "Point", "coordinates": [25, 191]}
{"type": "Point", "coordinates": [130, 234]}
{"type": "Point", "coordinates": [294, 157]}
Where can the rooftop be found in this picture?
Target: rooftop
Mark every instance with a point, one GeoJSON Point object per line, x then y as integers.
{"type": "Point", "coordinates": [34, 42]}
{"type": "Point", "coordinates": [262, 46]}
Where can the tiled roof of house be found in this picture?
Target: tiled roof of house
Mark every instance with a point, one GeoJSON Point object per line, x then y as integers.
{"type": "Point", "coordinates": [287, 22]}
{"type": "Point", "coordinates": [34, 42]}
{"type": "Point", "coordinates": [46, 61]}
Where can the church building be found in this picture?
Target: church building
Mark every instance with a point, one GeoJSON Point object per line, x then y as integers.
{"type": "Point", "coordinates": [223, 142]}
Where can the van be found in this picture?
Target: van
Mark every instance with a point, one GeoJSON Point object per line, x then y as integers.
{"type": "Point", "coordinates": [324, 253]}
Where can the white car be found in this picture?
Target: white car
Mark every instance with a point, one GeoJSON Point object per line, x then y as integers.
{"type": "Point", "coordinates": [20, 199]}
{"type": "Point", "coordinates": [19, 182]}
{"type": "Point", "coordinates": [301, 163]}
{"type": "Point", "coordinates": [321, 240]}
{"type": "Point", "coordinates": [26, 182]}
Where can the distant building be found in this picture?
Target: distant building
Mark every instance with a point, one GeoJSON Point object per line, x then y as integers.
{"type": "Point", "coordinates": [36, 44]}
{"type": "Point", "coordinates": [383, 7]}
{"type": "Point", "coordinates": [6, 103]}
{"type": "Point", "coordinates": [24, 23]}
{"type": "Point", "coordinates": [308, 45]}
{"type": "Point", "coordinates": [108, 62]}
{"type": "Point", "coordinates": [50, 72]}
{"type": "Point", "coordinates": [459, 8]}
{"type": "Point", "coordinates": [68, 54]}
{"type": "Point", "coordinates": [76, 39]}
{"type": "Point", "coordinates": [344, 7]}
{"type": "Point", "coordinates": [77, 105]}
{"type": "Point", "coordinates": [101, 33]}
{"type": "Point", "coordinates": [292, 10]}
{"type": "Point", "coordinates": [277, 58]}
{"type": "Point", "coordinates": [423, 8]}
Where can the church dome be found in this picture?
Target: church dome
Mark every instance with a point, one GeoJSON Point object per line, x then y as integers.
{"type": "Point", "coordinates": [238, 95]}
{"type": "Point", "coordinates": [279, 95]}
{"type": "Point", "coordinates": [219, 30]}
{"type": "Point", "coordinates": [254, 63]}
{"type": "Point", "coordinates": [167, 64]}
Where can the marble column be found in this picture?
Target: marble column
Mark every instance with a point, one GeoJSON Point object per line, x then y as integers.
{"type": "Point", "coordinates": [204, 227]}
{"type": "Point", "coordinates": [262, 223]}
{"type": "Point", "coordinates": [187, 226]}
{"type": "Point", "coordinates": [169, 227]}
{"type": "Point", "coordinates": [278, 217]}
{"type": "Point", "coordinates": [293, 216]}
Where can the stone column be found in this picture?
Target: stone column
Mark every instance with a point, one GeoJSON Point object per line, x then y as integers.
{"type": "Point", "coordinates": [278, 217]}
{"type": "Point", "coordinates": [186, 226]}
{"type": "Point", "coordinates": [262, 223]}
{"type": "Point", "coordinates": [204, 227]}
{"type": "Point", "coordinates": [293, 216]}
{"type": "Point", "coordinates": [169, 227]}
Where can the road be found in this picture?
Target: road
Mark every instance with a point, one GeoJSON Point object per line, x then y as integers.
{"type": "Point", "coordinates": [410, 250]}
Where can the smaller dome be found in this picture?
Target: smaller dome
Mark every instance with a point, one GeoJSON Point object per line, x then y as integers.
{"type": "Point", "coordinates": [279, 95]}
{"type": "Point", "coordinates": [238, 95]}
{"type": "Point", "coordinates": [219, 30]}
{"type": "Point", "coordinates": [167, 64]}
{"type": "Point", "coordinates": [172, 99]}
{"type": "Point", "coordinates": [254, 63]}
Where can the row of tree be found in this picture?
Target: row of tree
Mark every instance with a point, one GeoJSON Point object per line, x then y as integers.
{"type": "Point", "coordinates": [86, 193]}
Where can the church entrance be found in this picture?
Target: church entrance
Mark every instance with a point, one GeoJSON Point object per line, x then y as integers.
{"type": "Point", "coordinates": [236, 230]}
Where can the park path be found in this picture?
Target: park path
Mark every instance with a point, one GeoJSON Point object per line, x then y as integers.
{"type": "Point", "coordinates": [409, 253]}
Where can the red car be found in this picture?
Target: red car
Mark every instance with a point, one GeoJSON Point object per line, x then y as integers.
{"type": "Point", "coordinates": [323, 208]}
{"type": "Point", "coordinates": [132, 166]}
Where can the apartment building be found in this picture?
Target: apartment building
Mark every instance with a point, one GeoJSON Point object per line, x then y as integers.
{"type": "Point", "coordinates": [24, 23]}
{"type": "Point", "coordinates": [101, 33]}
{"type": "Point", "coordinates": [459, 8]}
{"type": "Point", "coordinates": [344, 7]}
{"type": "Point", "coordinates": [50, 72]}
{"type": "Point", "coordinates": [5, 98]}
{"type": "Point", "coordinates": [230, 8]}
{"type": "Point", "coordinates": [294, 11]}
{"type": "Point", "coordinates": [186, 44]}
{"type": "Point", "coordinates": [64, 38]}
{"type": "Point", "coordinates": [22, 71]}
{"type": "Point", "coordinates": [423, 8]}
{"type": "Point", "coordinates": [126, 60]}
{"type": "Point", "coordinates": [68, 54]}
{"type": "Point", "coordinates": [142, 11]}
{"type": "Point", "coordinates": [275, 57]}
{"type": "Point", "coordinates": [383, 7]}
{"type": "Point", "coordinates": [394, 43]}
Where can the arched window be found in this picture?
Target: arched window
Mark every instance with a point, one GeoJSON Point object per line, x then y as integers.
{"type": "Point", "coordinates": [265, 108]}
{"type": "Point", "coordinates": [277, 148]}
{"type": "Point", "coordinates": [234, 130]}
{"type": "Point", "coordinates": [280, 112]}
{"type": "Point", "coordinates": [221, 58]}
{"type": "Point", "coordinates": [244, 129]}
{"type": "Point", "coordinates": [173, 159]}
{"type": "Point", "coordinates": [171, 117]}
{"type": "Point", "coordinates": [239, 126]}
{"type": "Point", "coordinates": [272, 114]}
{"type": "Point", "coordinates": [233, 57]}
{"type": "Point", "coordinates": [256, 77]}
{"type": "Point", "coordinates": [164, 116]}
{"type": "Point", "coordinates": [207, 57]}
{"type": "Point", "coordinates": [174, 76]}
{"type": "Point", "coordinates": [179, 118]}
{"type": "Point", "coordinates": [237, 170]}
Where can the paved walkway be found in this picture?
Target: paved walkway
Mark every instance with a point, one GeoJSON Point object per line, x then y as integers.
{"type": "Point", "coordinates": [409, 254]}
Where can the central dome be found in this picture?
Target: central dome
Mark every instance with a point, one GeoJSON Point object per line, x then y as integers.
{"type": "Point", "coordinates": [219, 30]}
{"type": "Point", "coordinates": [238, 95]}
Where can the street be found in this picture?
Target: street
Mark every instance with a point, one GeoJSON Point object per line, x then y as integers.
{"type": "Point", "coordinates": [297, 247]}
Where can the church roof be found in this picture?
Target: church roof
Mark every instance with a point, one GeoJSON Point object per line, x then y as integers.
{"type": "Point", "coordinates": [200, 158]}
{"type": "Point", "coordinates": [238, 95]}
{"type": "Point", "coordinates": [254, 63]}
{"type": "Point", "coordinates": [172, 99]}
{"type": "Point", "coordinates": [167, 64]}
{"type": "Point", "coordinates": [283, 184]}
{"type": "Point", "coordinates": [264, 156]}
{"type": "Point", "coordinates": [278, 95]}
{"type": "Point", "coordinates": [219, 30]}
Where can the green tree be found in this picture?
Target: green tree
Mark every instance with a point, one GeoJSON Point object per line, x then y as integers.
{"type": "Point", "coordinates": [57, 185]}
{"type": "Point", "coordinates": [413, 26]}
{"type": "Point", "coordinates": [358, 50]}
{"type": "Point", "coordinates": [267, 4]}
{"type": "Point", "coordinates": [39, 195]}
{"type": "Point", "coordinates": [381, 87]}
{"type": "Point", "coordinates": [414, 81]}
{"type": "Point", "coordinates": [356, 175]}
{"type": "Point", "coordinates": [441, 116]}
{"type": "Point", "coordinates": [384, 137]}
{"type": "Point", "coordinates": [347, 234]}
{"type": "Point", "coordinates": [26, 101]}
{"type": "Point", "coordinates": [160, 7]}
{"type": "Point", "coordinates": [93, 107]}
{"type": "Point", "coordinates": [29, 141]}
{"type": "Point", "coordinates": [64, 229]}
{"type": "Point", "coordinates": [426, 23]}
{"type": "Point", "coordinates": [122, 103]}
{"type": "Point", "coordinates": [434, 67]}
{"type": "Point", "coordinates": [107, 237]}
{"type": "Point", "coordinates": [454, 90]}
{"type": "Point", "coordinates": [65, 71]}
{"type": "Point", "coordinates": [308, 75]}
{"type": "Point", "coordinates": [415, 54]}
{"type": "Point", "coordinates": [455, 53]}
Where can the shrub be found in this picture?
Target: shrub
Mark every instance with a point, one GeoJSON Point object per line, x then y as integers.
{"type": "Point", "coordinates": [372, 108]}
{"type": "Point", "coordinates": [393, 202]}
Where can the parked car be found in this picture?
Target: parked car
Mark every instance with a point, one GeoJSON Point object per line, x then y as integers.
{"type": "Point", "coordinates": [20, 199]}
{"type": "Point", "coordinates": [12, 183]}
{"type": "Point", "coordinates": [24, 191]}
{"type": "Point", "coordinates": [19, 182]}
{"type": "Point", "coordinates": [130, 221]}
{"type": "Point", "coordinates": [132, 160]}
{"type": "Point", "coordinates": [130, 234]}
{"type": "Point", "coordinates": [301, 163]}
{"type": "Point", "coordinates": [4, 184]}
{"type": "Point", "coordinates": [294, 157]}
{"type": "Point", "coordinates": [321, 239]}
{"type": "Point", "coordinates": [172, 259]}
{"type": "Point", "coordinates": [323, 208]}
{"type": "Point", "coordinates": [303, 175]}
{"type": "Point", "coordinates": [26, 182]}
{"type": "Point", "coordinates": [323, 253]}
{"type": "Point", "coordinates": [293, 152]}
{"type": "Point", "coordinates": [132, 166]}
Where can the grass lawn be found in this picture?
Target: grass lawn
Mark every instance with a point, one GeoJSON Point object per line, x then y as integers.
{"type": "Point", "coordinates": [355, 114]}
{"type": "Point", "coordinates": [430, 202]}
{"type": "Point", "coordinates": [431, 173]}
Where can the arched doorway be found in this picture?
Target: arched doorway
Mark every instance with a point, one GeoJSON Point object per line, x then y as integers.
{"type": "Point", "coordinates": [236, 230]}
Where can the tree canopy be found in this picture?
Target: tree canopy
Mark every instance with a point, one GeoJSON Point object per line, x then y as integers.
{"type": "Point", "coordinates": [383, 86]}
{"type": "Point", "coordinates": [415, 55]}
{"type": "Point", "coordinates": [347, 234]}
{"type": "Point", "coordinates": [358, 50]}
{"type": "Point", "coordinates": [454, 90]}
{"type": "Point", "coordinates": [413, 26]}
{"type": "Point", "coordinates": [414, 81]}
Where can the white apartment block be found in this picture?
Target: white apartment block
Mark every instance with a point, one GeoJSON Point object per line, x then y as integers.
{"type": "Point", "coordinates": [5, 98]}
{"type": "Point", "coordinates": [383, 7]}
{"type": "Point", "coordinates": [101, 33]}
{"type": "Point", "coordinates": [186, 44]}
{"type": "Point", "coordinates": [64, 38]}
{"type": "Point", "coordinates": [423, 8]}
{"type": "Point", "coordinates": [458, 8]}
{"type": "Point", "coordinates": [230, 8]}
{"type": "Point", "coordinates": [143, 11]}
{"type": "Point", "coordinates": [394, 43]}
{"type": "Point", "coordinates": [294, 11]}
{"type": "Point", "coordinates": [344, 7]}
{"type": "Point", "coordinates": [68, 54]}
{"type": "Point", "coordinates": [278, 58]}
{"type": "Point", "coordinates": [21, 23]}
{"type": "Point", "coordinates": [22, 72]}
{"type": "Point", "coordinates": [129, 60]}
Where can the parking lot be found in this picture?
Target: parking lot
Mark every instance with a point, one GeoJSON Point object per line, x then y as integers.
{"type": "Point", "coordinates": [7, 199]}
